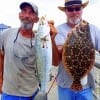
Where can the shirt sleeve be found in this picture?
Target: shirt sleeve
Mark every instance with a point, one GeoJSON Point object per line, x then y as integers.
{"type": "Point", "coordinates": [3, 36]}
{"type": "Point", "coordinates": [95, 35]}
{"type": "Point", "coordinates": [60, 37]}
{"type": "Point", "coordinates": [1, 41]}
{"type": "Point", "coordinates": [98, 39]}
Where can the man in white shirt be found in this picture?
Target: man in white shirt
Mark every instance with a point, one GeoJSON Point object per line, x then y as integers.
{"type": "Point", "coordinates": [73, 10]}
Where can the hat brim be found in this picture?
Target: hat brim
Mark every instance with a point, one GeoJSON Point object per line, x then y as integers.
{"type": "Point", "coordinates": [63, 8]}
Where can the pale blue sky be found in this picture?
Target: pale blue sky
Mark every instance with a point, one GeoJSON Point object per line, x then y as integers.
{"type": "Point", "coordinates": [10, 8]}
{"type": "Point", "coordinates": [94, 1]}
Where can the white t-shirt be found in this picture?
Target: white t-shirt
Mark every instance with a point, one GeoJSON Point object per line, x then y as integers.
{"type": "Point", "coordinates": [64, 80]}
{"type": "Point", "coordinates": [19, 64]}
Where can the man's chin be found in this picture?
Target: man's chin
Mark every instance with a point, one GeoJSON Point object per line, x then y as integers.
{"type": "Point", "coordinates": [74, 22]}
{"type": "Point", "coordinates": [26, 25]}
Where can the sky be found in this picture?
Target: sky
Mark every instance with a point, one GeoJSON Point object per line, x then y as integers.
{"type": "Point", "coordinates": [10, 11]}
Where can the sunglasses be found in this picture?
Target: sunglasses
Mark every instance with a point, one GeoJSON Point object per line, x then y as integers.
{"type": "Point", "coordinates": [71, 9]}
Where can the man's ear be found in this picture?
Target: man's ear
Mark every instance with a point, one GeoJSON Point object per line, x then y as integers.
{"type": "Point", "coordinates": [36, 19]}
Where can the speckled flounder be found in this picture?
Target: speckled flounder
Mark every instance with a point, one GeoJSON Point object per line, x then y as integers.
{"type": "Point", "coordinates": [78, 54]}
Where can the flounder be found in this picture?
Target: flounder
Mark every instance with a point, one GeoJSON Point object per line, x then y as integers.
{"type": "Point", "coordinates": [78, 54]}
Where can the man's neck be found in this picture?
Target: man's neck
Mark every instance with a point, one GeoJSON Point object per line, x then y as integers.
{"type": "Point", "coordinates": [71, 25]}
{"type": "Point", "coordinates": [28, 33]}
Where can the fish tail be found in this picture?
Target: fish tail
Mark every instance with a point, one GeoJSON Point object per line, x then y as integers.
{"type": "Point", "coordinates": [76, 86]}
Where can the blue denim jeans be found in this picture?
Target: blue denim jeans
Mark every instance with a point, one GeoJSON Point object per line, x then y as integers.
{"type": "Point", "coordinates": [5, 96]}
{"type": "Point", "coordinates": [68, 94]}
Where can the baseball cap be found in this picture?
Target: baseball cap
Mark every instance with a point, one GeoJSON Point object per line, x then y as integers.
{"type": "Point", "coordinates": [32, 5]}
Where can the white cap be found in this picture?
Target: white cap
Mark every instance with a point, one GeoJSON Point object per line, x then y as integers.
{"type": "Point", "coordinates": [33, 6]}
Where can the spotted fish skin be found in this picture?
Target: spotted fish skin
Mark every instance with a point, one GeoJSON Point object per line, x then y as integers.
{"type": "Point", "coordinates": [43, 53]}
{"type": "Point", "coordinates": [78, 54]}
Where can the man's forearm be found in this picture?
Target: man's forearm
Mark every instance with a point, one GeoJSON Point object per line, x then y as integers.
{"type": "Point", "coordinates": [55, 54]}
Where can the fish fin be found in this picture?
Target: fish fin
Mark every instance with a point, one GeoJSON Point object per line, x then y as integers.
{"type": "Point", "coordinates": [76, 86]}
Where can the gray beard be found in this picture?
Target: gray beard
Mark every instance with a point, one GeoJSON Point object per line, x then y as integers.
{"type": "Point", "coordinates": [75, 22]}
{"type": "Point", "coordinates": [26, 25]}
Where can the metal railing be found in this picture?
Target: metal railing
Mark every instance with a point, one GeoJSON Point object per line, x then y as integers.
{"type": "Point", "coordinates": [97, 77]}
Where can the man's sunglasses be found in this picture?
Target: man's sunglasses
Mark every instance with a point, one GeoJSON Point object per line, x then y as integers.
{"type": "Point", "coordinates": [71, 9]}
